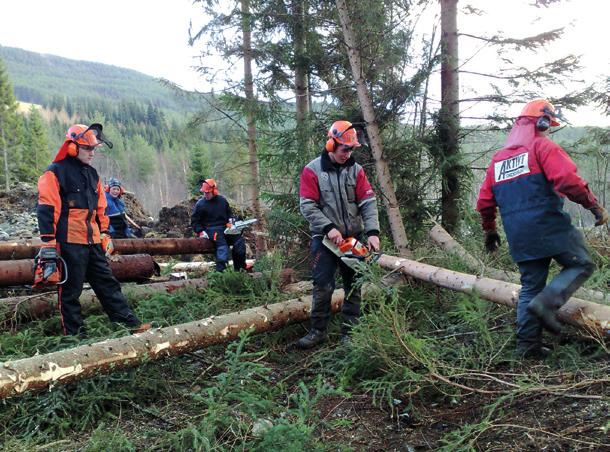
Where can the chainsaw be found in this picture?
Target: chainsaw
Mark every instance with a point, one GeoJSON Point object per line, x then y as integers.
{"type": "Point", "coordinates": [236, 227]}
{"type": "Point", "coordinates": [48, 268]}
{"type": "Point", "coordinates": [352, 252]}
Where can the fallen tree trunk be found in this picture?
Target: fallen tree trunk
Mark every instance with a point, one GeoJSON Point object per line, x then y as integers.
{"type": "Point", "coordinates": [45, 371]}
{"type": "Point", "coordinates": [39, 306]}
{"type": "Point", "coordinates": [137, 267]}
{"type": "Point", "coordinates": [443, 239]}
{"type": "Point", "coordinates": [43, 305]}
{"type": "Point", "coordinates": [593, 317]}
{"type": "Point", "coordinates": [196, 266]}
{"type": "Point", "coordinates": [155, 247]}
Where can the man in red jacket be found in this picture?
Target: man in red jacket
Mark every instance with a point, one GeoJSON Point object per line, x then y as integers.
{"type": "Point", "coordinates": [528, 179]}
{"type": "Point", "coordinates": [337, 201]}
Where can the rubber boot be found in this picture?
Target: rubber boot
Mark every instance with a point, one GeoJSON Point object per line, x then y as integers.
{"type": "Point", "coordinates": [313, 338]}
{"type": "Point", "coordinates": [532, 350]}
{"type": "Point", "coordinates": [545, 306]}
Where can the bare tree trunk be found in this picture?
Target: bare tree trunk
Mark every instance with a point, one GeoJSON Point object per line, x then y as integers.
{"type": "Point", "coordinates": [449, 116]}
{"type": "Point", "coordinates": [250, 120]}
{"type": "Point", "coordinates": [7, 184]}
{"type": "Point", "coordinates": [592, 317]}
{"type": "Point", "coordinates": [383, 171]}
{"type": "Point", "coordinates": [301, 81]}
{"type": "Point", "coordinates": [86, 361]}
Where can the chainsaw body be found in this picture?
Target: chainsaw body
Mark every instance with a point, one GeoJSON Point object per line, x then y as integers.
{"type": "Point", "coordinates": [48, 268]}
{"type": "Point", "coordinates": [352, 252]}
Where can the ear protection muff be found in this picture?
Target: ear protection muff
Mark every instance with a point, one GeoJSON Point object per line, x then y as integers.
{"type": "Point", "coordinates": [72, 149]}
{"type": "Point", "coordinates": [330, 145]}
{"type": "Point", "coordinates": [121, 190]}
{"type": "Point", "coordinates": [543, 124]}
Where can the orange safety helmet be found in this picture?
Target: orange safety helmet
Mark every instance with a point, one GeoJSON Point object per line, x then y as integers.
{"type": "Point", "coordinates": [209, 186]}
{"type": "Point", "coordinates": [539, 108]}
{"type": "Point", "coordinates": [80, 134]}
{"type": "Point", "coordinates": [341, 132]}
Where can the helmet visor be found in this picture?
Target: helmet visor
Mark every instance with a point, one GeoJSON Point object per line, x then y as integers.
{"type": "Point", "coordinates": [96, 131]}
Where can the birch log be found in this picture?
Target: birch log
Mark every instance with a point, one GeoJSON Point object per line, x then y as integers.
{"type": "Point", "coordinates": [46, 371]}
{"type": "Point", "coordinates": [593, 317]}
{"type": "Point", "coordinates": [443, 239]}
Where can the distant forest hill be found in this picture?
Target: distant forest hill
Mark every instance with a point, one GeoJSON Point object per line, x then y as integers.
{"type": "Point", "coordinates": [44, 79]}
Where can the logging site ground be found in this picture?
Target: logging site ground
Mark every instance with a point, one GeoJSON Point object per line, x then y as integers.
{"type": "Point", "coordinates": [426, 369]}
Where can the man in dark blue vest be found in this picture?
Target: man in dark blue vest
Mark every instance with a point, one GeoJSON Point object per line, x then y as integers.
{"type": "Point", "coordinates": [211, 216]}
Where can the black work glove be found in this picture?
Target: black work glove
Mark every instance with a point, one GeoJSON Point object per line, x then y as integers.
{"type": "Point", "coordinates": [492, 241]}
{"type": "Point", "coordinates": [601, 214]}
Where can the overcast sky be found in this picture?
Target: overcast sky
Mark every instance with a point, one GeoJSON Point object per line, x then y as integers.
{"type": "Point", "coordinates": [151, 36]}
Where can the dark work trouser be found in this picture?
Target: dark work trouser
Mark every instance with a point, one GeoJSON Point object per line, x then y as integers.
{"type": "Point", "coordinates": [325, 265]}
{"type": "Point", "coordinates": [577, 268]}
{"type": "Point", "coordinates": [89, 262]}
{"type": "Point", "coordinates": [222, 243]}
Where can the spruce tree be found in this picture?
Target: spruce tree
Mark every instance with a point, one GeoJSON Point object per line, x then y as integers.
{"type": "Point", "coordinates": [8, 117]}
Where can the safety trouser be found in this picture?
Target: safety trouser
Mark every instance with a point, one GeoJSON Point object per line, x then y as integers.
{"type": "Point", "coordinates": [577, 268]}
{"type": "Point", "coordinates": [89, 262]}
{"type": "Point", "coordinates": [325, 265]}
{"type": "Point", "coordinates": [222, 243]}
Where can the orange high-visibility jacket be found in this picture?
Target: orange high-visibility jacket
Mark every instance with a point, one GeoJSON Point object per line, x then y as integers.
{"type": "Point", "coordinates": [71, 203]}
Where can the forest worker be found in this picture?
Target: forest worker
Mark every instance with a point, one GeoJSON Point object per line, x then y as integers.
{"type": "Point", "coordinates": [209, 219]}
{"type": "Point", "coordinates": [115, 210]}
{"type": "Point", "coordinates": [528, 179]}
{"type": "Point", "coordinates": [338, 201]}
{"type": "Point", "coordinates": [72, 221]}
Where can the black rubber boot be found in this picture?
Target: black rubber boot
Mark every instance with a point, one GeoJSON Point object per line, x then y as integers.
{"type": "Point", "coordinates": [313, 338]}
{"type": "Point", "coordinates": [545, 306]}
{"type": "Point", "coordinates": [532, 351]}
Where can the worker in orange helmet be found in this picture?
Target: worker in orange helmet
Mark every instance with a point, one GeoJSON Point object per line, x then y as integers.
{"type": "Point", "coordinates": [73, 225]}
{"type": "Point", "coordinates": [338, 201]}
{"type": "Point", "coordinates": [209, 219]}
{"type": "Point", "coordinates": [528, 180]}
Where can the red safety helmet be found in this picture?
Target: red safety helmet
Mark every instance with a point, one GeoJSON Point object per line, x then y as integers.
{"type": "Point", "coordinates": [341, 132]}
{"type": "Point", "coordinates": [539, 108]}
{"type": "Point", "coordinates": [209, 186]}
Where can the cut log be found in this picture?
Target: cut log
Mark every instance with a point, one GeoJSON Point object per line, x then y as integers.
{"type": "Point", "coordinates": [196, 266]}
{"type": "Point", "coordinates": [137, 267]}
{"type": "Point", "coordinates": [443, 239]}
{"type": "Point", "coordinates": [593, 317]}
{"type": "Point", "coordinates": [155, 247]}
{"type": "Point", "coordinates": [43, 305]}
{"type": "Point", "coordinates": [45, 371]}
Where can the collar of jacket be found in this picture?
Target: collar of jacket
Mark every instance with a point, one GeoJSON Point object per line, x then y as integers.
{"type": "Point", "coordinates": [328, 165]}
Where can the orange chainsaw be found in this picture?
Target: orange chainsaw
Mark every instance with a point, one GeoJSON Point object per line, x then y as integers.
{"type": "Point", "coordinates": [48, 268]}
{"type": "Point", "coordinates": [352, 252]}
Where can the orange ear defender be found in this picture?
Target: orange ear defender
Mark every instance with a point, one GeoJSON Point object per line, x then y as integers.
{"type": "Point", "coordinates": [72, 149]}
{"type": "Point", "coordinates": [330, 145]}
{"type": "Point", "coordinates": [114, 182]}
{"type": "Point", "coordinates": [209, 186]}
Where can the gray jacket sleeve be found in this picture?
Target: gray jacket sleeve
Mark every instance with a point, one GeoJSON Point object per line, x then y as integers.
{"type": "Point", "coordinates": [318, 222]}
{"type": "Point", "coordinates": [370, 217]}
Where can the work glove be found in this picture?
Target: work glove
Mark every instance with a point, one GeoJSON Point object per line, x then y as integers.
{"type": "Point", "coordinates": [107, 245]}
{"type": "Point", "coordinates": [601, 214]}
{"type": "Point", "coordinates": [492, 241]}
{"type": "Point", "coordinates": [203, 235]}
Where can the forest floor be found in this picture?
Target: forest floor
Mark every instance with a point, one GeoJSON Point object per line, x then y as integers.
{"type": "Point", "coordinates": [426, 369]}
